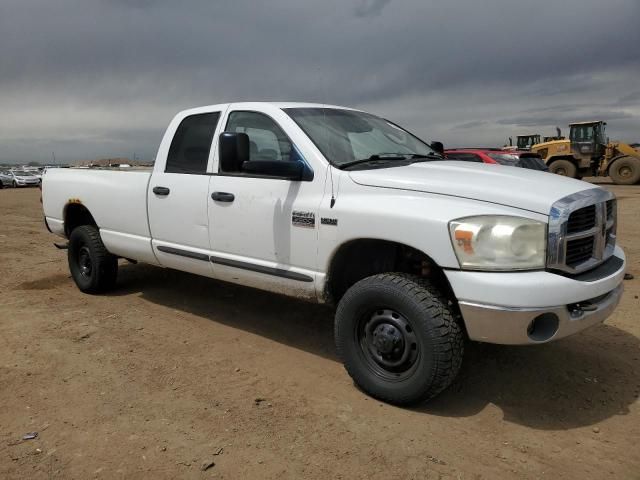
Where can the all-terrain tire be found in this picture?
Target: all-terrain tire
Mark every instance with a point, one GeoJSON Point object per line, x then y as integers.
{"type": "Point", "coordinates": [92, 267]}
{"type": "Point", "coordinates": [564, 167]}
{"type": "Point", "coordinates": [410, 306]}
{"type": "Point", "coordinates": [625, 171]}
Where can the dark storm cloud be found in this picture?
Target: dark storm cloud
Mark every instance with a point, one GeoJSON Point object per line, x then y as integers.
{"type": "Point", "coordinates": [367, 8]}
{"type": "Point", "coordinates": [77, 75]}
{"type": "Point", "coordinates": [472, 124]}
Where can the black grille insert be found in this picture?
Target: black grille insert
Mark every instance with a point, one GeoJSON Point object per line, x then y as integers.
{"type": "Point", "coordinates": [582, 219]}
{"type": "Point", "coordinates": [579, 250]}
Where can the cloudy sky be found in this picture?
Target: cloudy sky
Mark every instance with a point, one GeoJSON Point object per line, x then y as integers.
{"type": "Point", "coordinates": [102, 78]}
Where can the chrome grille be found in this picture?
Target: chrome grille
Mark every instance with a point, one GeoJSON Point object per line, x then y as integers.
{"type": "Point", "coordinates": [582, 231]}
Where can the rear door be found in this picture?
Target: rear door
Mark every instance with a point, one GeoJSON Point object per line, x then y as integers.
{"type": "Point", "coordinates": [177, 195]}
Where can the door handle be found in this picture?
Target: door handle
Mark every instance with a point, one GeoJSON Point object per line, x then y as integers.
{"type": "Point", "coordinates": [223, 197]}
{"type": "Point", "coordinates": [161, 190]}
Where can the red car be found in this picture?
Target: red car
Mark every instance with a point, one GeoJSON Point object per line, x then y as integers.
{"type": "Point", "coordinates": [497, 156]}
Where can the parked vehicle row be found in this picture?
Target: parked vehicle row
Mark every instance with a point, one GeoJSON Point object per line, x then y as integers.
{"type": "Point", "coordinates": [19, 178]}
{"type": "Point", "coordinates": [498, 156]}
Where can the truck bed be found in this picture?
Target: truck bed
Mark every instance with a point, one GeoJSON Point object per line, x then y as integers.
{"type": "Point", "coordinates": [116, 197]}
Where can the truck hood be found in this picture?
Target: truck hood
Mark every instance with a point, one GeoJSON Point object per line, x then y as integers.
{"type": "Point", "coordinates": [511, 186]}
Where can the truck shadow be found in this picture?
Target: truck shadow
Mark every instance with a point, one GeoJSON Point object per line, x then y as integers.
{"type": "Point", "coordinates": [576, 382]}
{"type": "Point", "coordinates": [292, 322]}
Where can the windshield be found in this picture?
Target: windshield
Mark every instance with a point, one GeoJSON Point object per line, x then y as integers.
{"type": "Point", "coordinates": [23, 174]}
{"type": "Point", "coordinates": [526, 141]}
{"type": "Point", "coordinates": [504, 158]}
{"type": "Point", "coordinates": [344, 136]}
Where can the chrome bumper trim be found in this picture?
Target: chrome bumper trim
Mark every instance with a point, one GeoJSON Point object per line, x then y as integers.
{"type": "Point", "coordinates": [509, 326]}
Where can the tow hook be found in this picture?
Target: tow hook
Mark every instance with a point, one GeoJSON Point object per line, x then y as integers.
{"type": "Point", "coordinates": [577, 309]}
{"type": "Point", "coordinates": [61, 246]}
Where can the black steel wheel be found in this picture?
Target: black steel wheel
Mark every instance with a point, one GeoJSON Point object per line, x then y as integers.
{"type": "Point", "coordinates": [92, 267]}
{"type": "Point", "coordinates": [398, 337]}
{"type": "Point", "coordinates": [388, 344]}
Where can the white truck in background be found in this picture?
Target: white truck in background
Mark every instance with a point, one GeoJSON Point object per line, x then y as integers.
{"type": "Point", "coordinates": [335, 205]}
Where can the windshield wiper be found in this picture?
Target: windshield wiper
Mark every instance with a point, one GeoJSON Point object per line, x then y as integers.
{"type": "Point", "coordinates": [414, 157]}
{"type": "Point", "coordinates": [423, 158]}
{"type": "Point", "coordinates": [374, 158]}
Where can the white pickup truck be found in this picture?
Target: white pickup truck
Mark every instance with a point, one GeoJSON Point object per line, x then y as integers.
{"type": "Point", "coordinates": [335, 205]}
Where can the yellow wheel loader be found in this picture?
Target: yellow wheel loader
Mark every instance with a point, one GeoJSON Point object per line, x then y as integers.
{"type": "Point", "coordinates": [588, 152]}
{"type": "Point", "coordinates": [526, 142]}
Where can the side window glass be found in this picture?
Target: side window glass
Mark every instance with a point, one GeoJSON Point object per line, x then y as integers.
{"type": "Point", "coordinates": [267, 141]}
{"type": "Point", "coordinates": [191, 144]}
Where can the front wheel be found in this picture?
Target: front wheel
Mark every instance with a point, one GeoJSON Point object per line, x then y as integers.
{"type": "Point", "coordinates": [398, 338]}
{"type": "Point", "coordinates": [15, 184]}
{"type": "Point", "coordinates": [625, 171]}
{"type": "Point", "coordinates": [92, 267]}
{"type": "Point", "coordinates": [565, 168]}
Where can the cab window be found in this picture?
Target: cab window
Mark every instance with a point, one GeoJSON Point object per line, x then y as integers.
{"type": "Point", "coordinates": [189, 151]}
{"type": "Point", "coordinates": [267, 141]}
{"type": "Point", "coordinates": [582, 133]}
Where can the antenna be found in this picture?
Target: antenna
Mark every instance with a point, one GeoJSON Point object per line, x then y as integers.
{"type": "Point", "coordinates": [326, 136]}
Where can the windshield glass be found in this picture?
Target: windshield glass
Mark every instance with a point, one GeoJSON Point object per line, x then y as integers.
{"type": "Point", "coordinates": [504, 158]}
{"type": "Point", "coordinates": [23, 174]}
{"type": "Point", "coordinates": [526, 141]}
{"type": "Point", "coordinates": [344, 136]}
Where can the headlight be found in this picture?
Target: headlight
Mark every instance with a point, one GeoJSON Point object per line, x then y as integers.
{"type": "Point", "coordinates": [495, 242]}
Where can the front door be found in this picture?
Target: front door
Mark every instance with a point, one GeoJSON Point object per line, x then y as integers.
{"type": "Point", "coordinates": [178, 197]}
{"type": "Point", "coordinates": [263, 229]}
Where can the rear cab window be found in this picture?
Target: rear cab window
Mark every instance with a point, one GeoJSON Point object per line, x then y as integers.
{"type": "Point", "coordinates": [191, 144]}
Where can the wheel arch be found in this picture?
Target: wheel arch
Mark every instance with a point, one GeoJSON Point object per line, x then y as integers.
{"type": "Point", "coordinates": [359, 258]}
{"type": "Point", "coordinates": [76, 214]}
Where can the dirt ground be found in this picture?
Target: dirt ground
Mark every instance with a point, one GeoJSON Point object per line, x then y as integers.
{"type": "Point", "coordinates": [173, 370]}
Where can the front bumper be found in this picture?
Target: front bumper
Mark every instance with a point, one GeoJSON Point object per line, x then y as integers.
{"type": "Point", "coordinates": [533, 307]}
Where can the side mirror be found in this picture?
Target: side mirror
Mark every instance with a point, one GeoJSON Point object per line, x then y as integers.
{"type": "Point", "coordinates": [437, 147]}
{"type": "Point", "coordinates": [233, 151]}
{"type": "Point", "coordinates": [275, 168]}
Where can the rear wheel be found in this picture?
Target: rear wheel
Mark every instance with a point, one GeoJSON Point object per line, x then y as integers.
{"type": "Point", "coordinates": [92, 267]}
{"type": "Point", "coordinates": [625, 171]}
{"type": "Point", "coordinates": [398, 338]}
{"type": "Point", "coordinates": [565, 168]}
